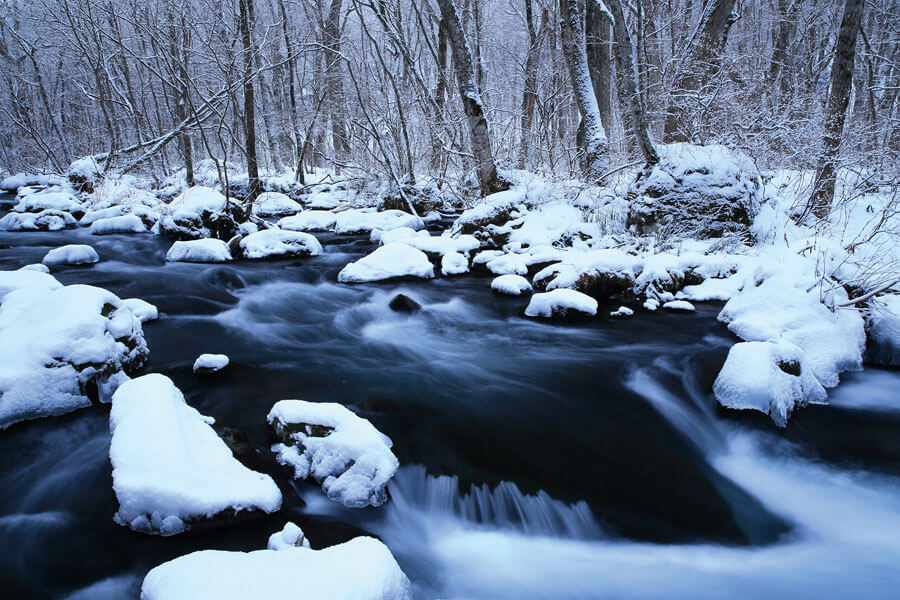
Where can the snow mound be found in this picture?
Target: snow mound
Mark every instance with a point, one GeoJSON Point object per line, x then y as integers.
{"type": "Point", "coordinates": [61, 201]}
{"type": "Point", "coordinates": [20, 180]}
{"type": "Point", "coordinates": [84, 169]}
{"type": "Point", "coordinates": [386, 262]}
{"type": "Point", "coordinates": [72, 254]}
{"type": "Point", "coordinates": [309, 220]}
{"type": "Point", "coordinates": [561, 303]}
{"type": "Point", "coordinates": [679, 305]}
{"type": "Point", "coordinates": [275, 204]}
{"type": "Point", "coordinates": [512, 285]}
{"type": "Point", "coordinates": [26, 277]}
{"type": "Point", "coordinates": [277, 243]}
{"type": "Point", "coordinates": [436, 245]}
{"type": "Point", "coordinates": [508, 264]}
{"type": "Point", "coordinates": [196, 213]}
{"type": "Point", "coordinates": [597, 273]}
{"type": "Point", "coordinates": [142, 309]}
{"type": "Point", "coordinates": [170, 469]}
{"type": "Point", "coordinates": [711, 289]}
{"type": "Point", "coordinates": [623, 312]}
{"type": "Point", "coordinates": [122, 224]}
{"type": "Point", "coordinates": [46, 220]}
{"type": "Point", "coordinates": [207, 250]}
{"type": "Point", "coordinates": [61, 346]}
{"type": "Point", "coordinates": [291, 536]}
{"type": "Point", "coordinates": [99, 213]}
{"type": "Point", "coordinates": [345, 453]}
{"type": "Point", "coordinates": [770, 377]}
{"type": "Point", "coordinates": [364, 220]}
{"type": "Point", "coordinates": [488, 221]}
{"type": "Point", "coordinates": [454, 263]}
{"type": "Point", "coordinates": [361, 569]}
{"type": "Point", "coordinates": [210, 363]}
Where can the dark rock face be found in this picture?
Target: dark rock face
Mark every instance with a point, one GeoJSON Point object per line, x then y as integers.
{"type": "Point", "coordinates": [602, 286]}
{"type": "Point", "coordinates": [791, 367]}
{"type": "Point", "coordinates": [423, 201]}
{"type": "Point", "coordinates": [222, 226]}
{"type": "Point", "coordinates": [405, 304]}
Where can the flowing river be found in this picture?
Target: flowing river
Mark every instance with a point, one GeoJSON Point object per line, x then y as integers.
{"type": "Point", "coordinates": [539, 460]}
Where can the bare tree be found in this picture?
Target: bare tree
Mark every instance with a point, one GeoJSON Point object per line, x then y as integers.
{"type": "Point", "coordinates": [246, 19]}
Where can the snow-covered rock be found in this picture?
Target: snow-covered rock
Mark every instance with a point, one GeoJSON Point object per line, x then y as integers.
{"type": "Point", "coordinates": [275, 204]}
{"type": "Point", "coordinates": [400, 234]}
{"type": "Point", "coordinates": [512, 285]}
{"type": "Point", "coordinates": [679, 305]}
{"type": "Point", "coordinates": [361, 569]}
{"type": "Point", "coordinates": [210, 363]}
{"type": "Point", "coordinates": [207, 250]}
{"type": "Point", "coordinates": [198, 212]}
{"type": "Point", "coordinates": [83, 173]}
{"type": "Point", "coordinates": [170, 469]}
{"type": "Point", "coordinates": [597, 273]}
{"type": "Point", "coordinates": [454, 263]}
{"type": "Point", "coordinates": [309, 220]}
{"type": "Point", "coordinates": [508, 264]}
{"type": "Point", "coordinates": [767, 376]}
{"type": "Point", "coordinates": [711, 289]}
{"type": "Point", "coordinates": [365, 220]}
{"type": "Point", "coordinates": [142, 309]}
{"type": "Point", "coordinates": [61, 346]}
{"type": "Point", "coordinates": [345, 453]}
{"type": "Point", "coordinates": [35, 267]}
{"type": "Point", "coordinates": [72, 254]}
{"type": "Point", "coordinates": [561, 303]}
{"type": "Point", "coordinates": [46, 220]}
{"type": "Point", "coordinates": [99, 213]}
{"type": "Point", "coordinates": [883, 328]}
{"type": "Point", "coordinates": [386, 262]}
{"type": "Point", "coordinates": [20, 180]}
{"type": "Point", "coordinates": [291, 536]}
{"type": "Point", "coordinates": [278, 243]}
{"type": "Point", "coordinates": [437, 245]}
{"type": "Point", "coordinates": [41, 201]}
{"type": "Point", "coordinates": [122, 224]}
{"type": "Point", "coordinates": [623, 312]}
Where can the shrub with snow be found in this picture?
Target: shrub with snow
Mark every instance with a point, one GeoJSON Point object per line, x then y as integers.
{"type": "Point", "coordinates": [387, 262]}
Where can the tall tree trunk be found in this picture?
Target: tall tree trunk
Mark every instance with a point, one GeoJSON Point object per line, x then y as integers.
{"type": "Point", "coordinates": [599, 43]}
{"type": "Point", "coordinates": [787, 23]}
{"type": "Point", "coordinates": [334, 81]}
{"type": "Point", "coordinates": [179, 55]}
{"type": "Point", "coordinates": [529, 93]}
{"type": "Point", "coordinates": [479, 132]}
{"type": "Point", "coordinates": [701, 61]}
{"type": "Point", "coordinates": [594, 154]}
{"type": "Point", "coordinates": [253, 187]}
{"type": "Point", "coordinates": [440, 94]}
{"type": "Point", "coordinates": [292, 93]}
{"type": "Point", "coordinates": [836, 110]}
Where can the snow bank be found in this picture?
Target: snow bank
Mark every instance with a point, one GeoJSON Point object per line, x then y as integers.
{"type": "Point", "coordinates": [207, 250]}
{"type": "Point", "coordinates": [170, 469]}
{"type": "Point", "coordinates": [275, 204]}
{"type": "Point", "coordinates": [386, 262]}
{"type": "Point", "coordinates": [365, 220]}
{"type": "Point", "coordinates": [122, 224]}
{"type": "Point", "coordinates": [352, 460]}
{"type": "Point", "coordinates": [512, 285]}
{"type": "Point", "coordinates": [72, 254]}
{"type": "Point", "coordinates": [309, 220]}
{"type": "Point", "coordinates": [561, 303]}
{"type": "Point", "coordinates": [210, 363]}
{"type": "Point", "coordinates": [46, 220]}
{"type": "Point", "coordinates": [276, 243]}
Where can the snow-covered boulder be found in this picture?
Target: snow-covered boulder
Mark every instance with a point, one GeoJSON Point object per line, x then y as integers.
{"type": "Point", "coordinates": [170, 469]}
{"type": "Point", "coordinates": [345, 453]}
{"type": "Point", "coordinates": [679, 305]}
{"type": "Point", "coordinates": [769, 377]}
{"type": "Point", "coordinates": [202, 251]}
{"type": "Point", "coordinates": [309, 220]}
{"type": "Point", "coordinates": [597, 273]}
{"type": "Point", "coordinates": [142, 309]}
{"type": "Point", "coordinates": [508, 264]}
{"type": "Point", "coordinates": [436, 246]}
{"type": "Point", "coordinates": [83, 173]}
{"type": "Point", "coordinates": [695, 190]}
{"type": "Point", "coordinates": [400, 234]}
{"type": "Point", "coordinates": [883, 329]}
{"type": "Point", "coordinates": [561, 303]}
{"type": "Point", "coordinates": [27, 277]}
{"type": "Point", "coordinates": [46, 220]}
{"type": "Point", "coordinates": [361, 569]}
{"type": "Point", "coordinates": [279, 243]}
{"type": "Point", "coordinates": [511, 285]}
{"type": "Point", "coordinates": [364, 220]}
{"type": "Point", "coordinates": [387, 262]}
{"type": "Point", "coordinates": [72, 254]}
{"type": "Point", "coordinates": [489, 220]}
{"type": "Point", "coordinates": [199, 212]}
{"type": "Point", "coordinates": [275, 204]}
{"type": "Point", "coordinates": [41, 201]}
{"type": "Point", "coordinates": [623, 312]}
{"type": "Point", "coordinates": [122, 224]}
{"type": "Point", "coordinates": [210, 363]}
{"type": "Point", "coordinates": [95, 214]}
{"type": "Point", "coordinates": [20, 180]}
{"type": "Point", "coordinates": [454, 263]}
{"type": "Point", "coordinates": [62, 347]}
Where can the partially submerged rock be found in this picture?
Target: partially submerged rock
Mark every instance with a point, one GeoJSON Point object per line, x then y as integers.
{"type": "Point", "coordinates": [561, 303]}
{"type": "Point", "coordinates": [46, 220]}
{"type": "Point", "coordinates": [121, 224]}
{"type": "Point", "coordinates": [142, 309]}
{"type": "Point", "coordinates": [405, 304]}
{"type": "Point", "coordinates": [883, 331]}
{"type": "Point", "coordinates": [388, 262]}
{"type": "Point", "coordinates": [345, 453]}
{"type": "Point", "coordinates": [71, 254]}
{"type": "Point", "coordinates": [488, 220]}
{"type": "Point", "coordinates": [511, 285]}
{"type": "Point", "coordinates": [600, 274]}
{"type": "Point", "coordinates": [309, 220]}
{"type": "Point", "coordinates": [210, 363]}
{"type": "Point", "coordinates": [279, 243]}
{"type": "Point", "coordinates": [365, 220]}
{"type": "Point", "coordinates": [170, 469]}
{"type": "Point", "coordinates": [201, 251]}
{"type": "Point", "coordinates": [200, 212]}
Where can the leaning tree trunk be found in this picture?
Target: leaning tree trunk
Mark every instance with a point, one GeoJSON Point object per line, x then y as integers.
{"type": "Point", "coordinates": [253, 187]}
{"type": "Point", "coordinates": [836, 110]}
{"type": "Point", "coordinates": [479, 133]}
{"type": "Point", "coordinates": [595, 151]}
{"type": "Point", "coordinates": [701, 61]}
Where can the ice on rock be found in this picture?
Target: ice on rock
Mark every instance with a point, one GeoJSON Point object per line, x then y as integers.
{"type": "Point", "coordinates": [309, 220]}
{"type": "Point", "coordinates": [142, 309]}
{"type": "Point", "coordinates": [561, 303]}
{"type": "Point", "coordinates": [170, 469]}
{"type": "Point", "coordinates": [46, 220]}
{"type": "Point", "coordinates": [210, 363]}
{"type": "Point", "coordinates": [454, 263]}
{"type": "Point", "coordinates": [41, 201]}
{"type": "Point", "coordinates": [277, 243]}
{"type": "Point", "coordinates": [364, 220]}
{"type": "Point", "coordinates": [770, 377]}
{"type": "Point", "coordinates": [202, 251]}
{"type": "Point", "coordinates": [59, 346]}
{"type": "Point", "coordinates": [508, 264]}
{"type": "Point", "coordinates": [387, 262]}
{"type": "Point", "coordinates": [72, 254]}
{"type": "Point", "coordinates": [275, 204]}
{"type": "Point", "coordinates": [122, 224]}
{"type": "Point", "coordinates": [361, 569]}
{"type": "Point", "coordinates": [512, 285]}
{"type": "Point", "coordinates": [345, 453]}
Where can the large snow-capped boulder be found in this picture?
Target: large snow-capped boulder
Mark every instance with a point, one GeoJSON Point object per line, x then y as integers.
{"type": "Point", "coordinates": [83, 173]}
{"type": "Point", "coordinates": [41, 201]}
{"type": "Point", "coordinates": [122, 224]}
{"type": "Point", "coordinates": [170, 469]}
{"type": "Point", "coordinates": [387, 262]}
{"type": "Point", "coordinates": [279, 243]}
{"type": "Point", "coordinates": [695, 190]}
{"type": "Point", "coordinates": [199, 212]}
{"type": "Point", "coordinates": [490, 220]}
{"type": "Point", "coordinates": [345, 453]}
{"type": "Point", "coordinates": [201, 251]}
{"type": "Point", "coordinates": [20, 180]}
{"type": "Point", "coordinates": [62, 347]}
{"type": "Point", "coordinates": [309, 220]}
{"type": "Point", "coordinates": [364, 220]}
{"type": "Point", "coordinates": [72, 254]}
{"type": "Point", "coordinates": [275, 204]}
{"type": "Point", "coordinates": [46, 220]}
{"type": "Point", "coordinates": [883, 329]}
{"type": "Point", "coordinates": [561, 303]}
{"type": "Point", "coordinates": [597, 273]}
{"type": "Point", "coordinates": [511, 285]}
{"type": "Point", "coordinates": [361, 569]}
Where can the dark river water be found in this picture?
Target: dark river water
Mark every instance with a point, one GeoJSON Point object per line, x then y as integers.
{"type": "Point", "coordinates": [539, 460]}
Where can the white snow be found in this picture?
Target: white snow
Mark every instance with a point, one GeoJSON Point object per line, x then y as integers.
{"type": "Point", "coordinates": [169, 466]}
{"type": "Point", "coordinates": [19, 180]}
{"type": "Point", "coordinates": [680, 305]}
{"type": "Point", "coordinates": [209, 363]}
{"type": "Point", "coordinates": [142, 309]}
{"type": "Point", "coordinates": [623, 312]}
{"type": "Point", "coordinates": [711, 289]}
{"type": "Point", "coordinates": [513, 285]}
{"type": "Point", "coordinates": [100, 213]}
{"type": "Point", "coordinates": [62, 201]}
{"type": "Point", "coordinates": [85, 167]}
{"type": "Point", "coordinates": [606, 262]}
{"type": "Point", "coordinates": [560, 302]}
{"type": "Point", "coordinates": [275, 204]}
{"type": "Point", "coordinates": [400, 234]}
{"type": "Point", "coordinates": [122, 224]}
{"type": "Point", "coordinates": [72, 254]}
{"type": "Point", "coordinates": [309, 220]}
{"type": "Point", "coordinates": [279, 242]}
{"type": "Point", "coordinates": [391, 260]}
{"type": "Point", "coordinates": [46, 220]}
{"type": "Point", "coordinates": [289, 537]}
{"type": "Point", "coordinates": [353, 461]}
{"type": "Point", "coordinates": [508, 264]}
{"type": "Point", "coordinates": [365, 220]}
{"type": "Point", "coordinates": [205, 250]}
{"type": "Point", "coordinates": [454, 263]}
{"type": "Point", "coordinates": [26, 277]}
{"type": "Point", "coordinates": [190, 203]}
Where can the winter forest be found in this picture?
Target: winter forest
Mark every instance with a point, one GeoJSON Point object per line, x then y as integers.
{"type": "Point", "coordinates": [482, 299]}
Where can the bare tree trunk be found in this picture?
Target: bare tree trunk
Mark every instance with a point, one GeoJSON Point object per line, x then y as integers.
{"type": "Point", "coordinates": [594, 155]}
{"type": "Point", "coordinates": [599, 43]}
{"type": "Point", "coordinates": [787, 15]}
{"type": "Point", "coordinates": [479, 132]}
{"type": "Point", "coordinates": [292, 93]}
{"type": "Point", "coordinates": [253, 187]}
{"type": "Point", "coordinates": [340, 137]}
{"type": "Point", "coordinates": [836, 111]}
{"type": "Point", "coordinates": [529, 93]}
{"type": "Point", "coordinates": [440, 94]}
